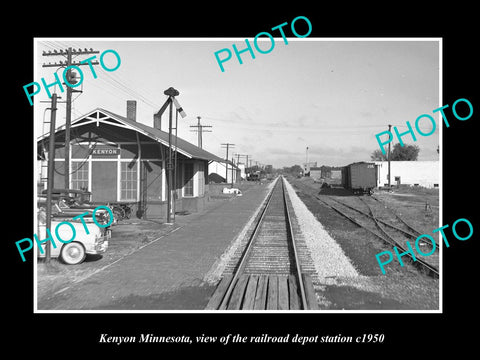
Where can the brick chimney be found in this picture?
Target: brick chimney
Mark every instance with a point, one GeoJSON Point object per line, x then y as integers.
{"type": "Point", "coordinates": [132, 110]}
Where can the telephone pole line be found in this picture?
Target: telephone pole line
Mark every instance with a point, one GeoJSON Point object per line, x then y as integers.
{"type": "Point", "coordinates": [238, 157]}
{"type": "Point", "coordinates": [238, 161]}
{"type": "Point", "coordinates": [246, 165]}
{"type": "Point", "coordinates": [227, 146]}
{"type": "Point", "coordinates": [200, 130]}
{"type": "Point", "coordinates": [70, 81]}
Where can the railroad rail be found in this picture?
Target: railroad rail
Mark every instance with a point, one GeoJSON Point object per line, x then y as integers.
{"type": "Point", "coordinates": [410, 232]}
{"type": "Point", "coordinates": [384, 236]}
{"type": "Point", "coordinates": [268, 273]}
{"type": "Point", "coordinates": [409, 226]}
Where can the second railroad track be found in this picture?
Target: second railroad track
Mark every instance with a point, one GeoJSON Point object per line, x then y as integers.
{"type": "Point", "coordinates": [376, 223]}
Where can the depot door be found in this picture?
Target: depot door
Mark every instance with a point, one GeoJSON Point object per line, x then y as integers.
{"type": "Point", "coordinates": [104, 181]}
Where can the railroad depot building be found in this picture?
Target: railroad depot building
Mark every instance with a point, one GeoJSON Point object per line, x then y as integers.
{"type": "Point", "coordinates": [120, 160]}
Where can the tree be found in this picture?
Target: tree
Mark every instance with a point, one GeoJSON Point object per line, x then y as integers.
{"type": "Point", "coordinates": [377, 155]}
{"type": "Point", "coordinates": [294, 170]}
{"type": "Point", "coordinates": [398, 153]}
{"type": "Point", "coordinates": [405, 152]}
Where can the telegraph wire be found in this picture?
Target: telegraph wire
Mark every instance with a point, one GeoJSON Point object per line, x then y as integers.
{"type": "Point", "coordinates": [129, 85]}
{"type": "Point", "coordinates": [227, 123]}
{"type": "Point", "coordinates": [128, 90]}
{"type": "Point", "coordinates": [110, 80]}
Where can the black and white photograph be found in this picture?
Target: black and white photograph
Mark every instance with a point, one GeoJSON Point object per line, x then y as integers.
{"type": "Point", "coordinates": [266, 190]}
{"type": "Point", "coordinates": [234, 180]}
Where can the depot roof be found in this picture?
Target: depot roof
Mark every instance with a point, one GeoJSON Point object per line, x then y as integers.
{"type": "Point", "coordinates": [100, 115]}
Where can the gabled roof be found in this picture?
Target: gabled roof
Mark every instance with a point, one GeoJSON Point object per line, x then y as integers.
{"type": "Point", "coordinates": [104, 116]}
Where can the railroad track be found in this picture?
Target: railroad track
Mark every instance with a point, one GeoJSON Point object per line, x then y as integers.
{"type": "Point", "coordinates": [399, 218]}
{"type": "Point", "coordinates": [376, 223]}
{"type": "Point", "coordinates": [271, 271]}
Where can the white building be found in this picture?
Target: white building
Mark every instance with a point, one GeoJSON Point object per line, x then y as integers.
{"type": "Point", "coordinates": [419, 173]}
{"type": "Point", "coordinates": [219, 168]}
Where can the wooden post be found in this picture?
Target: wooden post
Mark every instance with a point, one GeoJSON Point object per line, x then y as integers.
{"type": "Point", "coordinates": [51, 165]}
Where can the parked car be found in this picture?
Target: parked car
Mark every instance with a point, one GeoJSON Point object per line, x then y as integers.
{"type": "Point", "coordinates": [68, 203]}
{"type": "Point", "coordinates": [73, 197]}
{"type": "Point", "coordinates": [75, 251]}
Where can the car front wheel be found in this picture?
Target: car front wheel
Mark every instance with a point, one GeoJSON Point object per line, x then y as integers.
{"type": "Point", "coordinates": [73, 253]}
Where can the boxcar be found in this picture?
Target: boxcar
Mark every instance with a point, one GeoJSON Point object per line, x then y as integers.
{"type": "Point", "coordinates": [360, 177]}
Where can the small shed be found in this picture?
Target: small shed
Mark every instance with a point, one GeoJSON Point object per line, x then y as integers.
{"type": "Point", "coordinates": [316, 173]}
{"type": "Point", "coordinates": [331, 174]}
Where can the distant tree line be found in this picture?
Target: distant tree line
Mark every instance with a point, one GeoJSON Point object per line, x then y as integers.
{"type": "Point", "coordinates": [293, 170]}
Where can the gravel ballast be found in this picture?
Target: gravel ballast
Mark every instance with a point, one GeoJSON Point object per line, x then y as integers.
{"type": "Point", "coordinates": [327, 255]}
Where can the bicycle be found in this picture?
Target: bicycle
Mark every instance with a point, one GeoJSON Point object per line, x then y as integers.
{"type": "Point", "coordinates": [121, 211]}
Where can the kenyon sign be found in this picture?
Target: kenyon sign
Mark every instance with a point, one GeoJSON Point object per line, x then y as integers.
{"type": "Point", "coordinates": [105, 152]}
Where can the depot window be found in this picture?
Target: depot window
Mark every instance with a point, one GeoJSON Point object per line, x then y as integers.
{"type": "Point", "coordinates": [128, 181]}
{"type": "Point", "coordinates": [188, 180]}
{"type": "Point", "coordinates": [80, 175]}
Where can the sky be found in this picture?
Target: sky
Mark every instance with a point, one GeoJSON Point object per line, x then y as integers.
{"type": "Point", "coordinates": [330, 95]}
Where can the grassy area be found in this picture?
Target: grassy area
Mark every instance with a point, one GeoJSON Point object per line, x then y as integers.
{"type": "Point", "coordinates": [419, 209]}
{"type": "Point", "coordinates": [419, 190]}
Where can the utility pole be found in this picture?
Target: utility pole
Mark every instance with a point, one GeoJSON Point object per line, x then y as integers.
{"type": "Point", "coordinates": [51, 164]}
{"type": "Point", "coordinates": [171, 93]}
{"type": "Point", "coordinates": [227, 146]}
{"type": "Point", "coordinates": [170, 164]}
{"type": "Point", "coordinates": [306, 163]}
{"type": "Point", "coordinates": [200, 130]}
{"type": "Point", "coordinates": [71, 80]}
{"type": "Point", "coordinates": [389, 177]}
{"type": "Point", "coordinates": [233, 163]}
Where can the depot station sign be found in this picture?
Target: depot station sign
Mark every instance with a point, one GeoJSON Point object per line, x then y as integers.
{"type": "Point", "coordinates": [105, 152]}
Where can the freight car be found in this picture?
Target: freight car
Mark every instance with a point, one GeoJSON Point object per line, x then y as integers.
{"type": "Point", "coordinates": [360, 177]}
